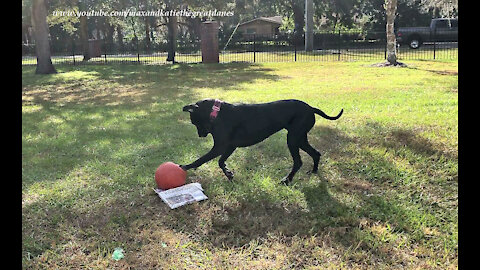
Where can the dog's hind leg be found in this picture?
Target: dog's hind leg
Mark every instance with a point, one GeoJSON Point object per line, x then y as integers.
{"type": "Point", "coordinates": [221, 162]}
{"type": "Point", "coordinates": [305, 146]}
{"type": "Point", "coordinates": [302, 128]}
{"type": "Point", "coordinates": [293, 146]}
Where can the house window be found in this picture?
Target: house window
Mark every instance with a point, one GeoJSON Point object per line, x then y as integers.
{"type": "Point", "coordinates": [251, 30]}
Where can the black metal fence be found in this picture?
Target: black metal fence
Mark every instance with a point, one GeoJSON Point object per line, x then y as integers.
{"type": "Point", "coordinates": [103, 52]}
{"type": "Point", "coordinates": [327, 46]}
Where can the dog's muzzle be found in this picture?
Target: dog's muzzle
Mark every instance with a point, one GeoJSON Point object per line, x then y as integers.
{"type": "Point", "coordinates": [202, 133]}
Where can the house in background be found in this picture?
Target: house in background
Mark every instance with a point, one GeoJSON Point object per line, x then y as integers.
{"type": "Point", "coordinates": [267, 26]}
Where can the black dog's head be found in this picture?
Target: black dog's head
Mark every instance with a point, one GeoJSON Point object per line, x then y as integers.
{"type": "Point", "coordinates": [200, 115]}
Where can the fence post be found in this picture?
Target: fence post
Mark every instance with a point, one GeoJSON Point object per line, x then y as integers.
{"type": "Point", "coordinates": [105, 49]}
{"type": "Point", "coordinates": [434, 42]}
{"type": "Point", "coordinates": [138, 52]}
{"type": "Point", "coordinates": [295, 46]}
{"type": "Point", "coordinates": [254, 49]}
{"type": "Point", "coordinates": [339, 44]}
{"type": "Point", "coordinates": [385, 49]}
{"type": "Point", "coordinates": [73, 51]}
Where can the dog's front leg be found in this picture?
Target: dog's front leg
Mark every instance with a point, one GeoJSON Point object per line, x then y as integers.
{"type": "Point", "coordinates": [213, 153]}
{"type": "Point", "coordinates": [221, 162]}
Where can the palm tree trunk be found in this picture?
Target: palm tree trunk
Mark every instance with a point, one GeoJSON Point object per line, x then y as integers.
{"type": "Point", "coordinates": [42, 45]}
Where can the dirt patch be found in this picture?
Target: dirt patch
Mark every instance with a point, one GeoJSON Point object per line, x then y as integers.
{"type": "Point", "coordinates": [388, 64]}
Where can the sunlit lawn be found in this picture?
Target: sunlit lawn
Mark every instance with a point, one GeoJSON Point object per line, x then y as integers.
{"type": "Point", "coordinates": [385, 195]}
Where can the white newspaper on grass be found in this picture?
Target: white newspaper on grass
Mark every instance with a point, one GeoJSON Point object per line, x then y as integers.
{"type": "Point", "coordinates": [176, 197]}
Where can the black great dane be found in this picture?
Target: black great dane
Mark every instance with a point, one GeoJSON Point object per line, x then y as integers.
{"type": "Point", "coordinates": [241, 125]}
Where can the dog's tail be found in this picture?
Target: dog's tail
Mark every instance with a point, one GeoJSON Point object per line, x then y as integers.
{"type": "Point", "coordinates": [322, 114]}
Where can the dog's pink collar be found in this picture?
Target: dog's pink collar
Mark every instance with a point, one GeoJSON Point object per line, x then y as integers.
{"type": "Point", "coordinates": [215, 109]}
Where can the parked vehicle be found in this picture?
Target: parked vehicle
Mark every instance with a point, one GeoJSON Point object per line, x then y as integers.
{"type": "Point", "coordinates": [440, 30]}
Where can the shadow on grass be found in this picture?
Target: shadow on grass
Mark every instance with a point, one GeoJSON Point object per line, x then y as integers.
{"type": "Point", "coordinates": [129, 84]}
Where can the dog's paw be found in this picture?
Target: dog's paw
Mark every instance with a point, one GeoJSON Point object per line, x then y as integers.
{"type": "Point", "coordinates": [312, 172]}
{"type": "Point", "coordinates": [229, 175]}
{"type": "Point", "coordinates": [285, 181]}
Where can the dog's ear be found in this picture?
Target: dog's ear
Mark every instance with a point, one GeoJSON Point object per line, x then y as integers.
{"type": "Point", "coordinates": [190, 108]}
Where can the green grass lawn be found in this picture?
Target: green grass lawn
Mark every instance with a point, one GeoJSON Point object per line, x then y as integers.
{"type": "Point", "coordinates": [385, 195]}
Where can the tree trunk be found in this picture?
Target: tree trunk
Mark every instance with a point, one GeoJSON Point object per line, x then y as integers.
{"type": "Point", "coordinates": [121, 46]}
{"type": "Point", "coordinates": [299, 20]}
{"type": "Point", "coordinates": [148, 43]}
{"type": "Point", "coordinates": [95, 32]}
{"type": "Point", "coordinates": [109, 36]}
{"type": "Point", "coordinates": [153, 23]}
{"type": "Point", "coordinates": [25, 35]}
{"type": "Point", "coordinates": [84, 38]}
{"type": "Point", "coordinates": [194, 28]}
{"type": "Point", "coordinates": [42, 45]}
{"type": "Point", "coordinates": [172, 26]}
{"type": "Point", "coordinates": [309, 25]}
{"type": "Point", "coordinates": [391, 9]}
